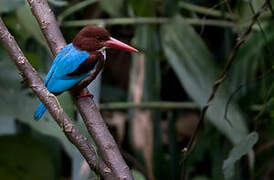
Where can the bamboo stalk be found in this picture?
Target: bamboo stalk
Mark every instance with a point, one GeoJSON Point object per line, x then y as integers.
{"type": "Point", "coordinates": [149, 105]}
{"type": "Point", "coordinates": [145, 20]}
{"type": "Point", "coordinates": [161, 105]}
{"type": "Point", "coordinates": [116, 21]}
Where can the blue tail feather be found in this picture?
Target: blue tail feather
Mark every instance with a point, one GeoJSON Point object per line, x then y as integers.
{"type": "Point", "coordinates": [41, 109]}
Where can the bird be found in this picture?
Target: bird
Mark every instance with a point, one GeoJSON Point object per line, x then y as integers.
{"type": "Point", "coordinates": [84, 57]}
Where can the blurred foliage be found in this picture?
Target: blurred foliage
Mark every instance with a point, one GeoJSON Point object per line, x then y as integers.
{"type": "Point", "coordinates": [190, 59]}
{"type": "Point", "coordinates": [29, 24]}
{"type": "Point", "coordinates": [115, 9]}
{"type": "Point", "coordinates": [137, 175]}
{"type": "Point", "coordinates": [7, 5]}
{"type": "Point", "coordinates": [23, 157]}
{"type": "Point", "coordinates": [182, 61]}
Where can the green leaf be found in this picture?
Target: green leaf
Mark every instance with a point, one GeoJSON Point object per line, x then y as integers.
{"type": "Point", "coordinates": [239, 150]}
{"type": "Point", "coordinates": [9, 5]}
{"type": "Point", "coordinates": [193, 64]}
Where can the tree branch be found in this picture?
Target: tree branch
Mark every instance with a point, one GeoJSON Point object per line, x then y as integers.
{"type": "Point", "coordinates": [91, 116]}
{"type": "Point", "coordinates": [50, 101]}
{"type": "Point", "coordinates": [98, 130]}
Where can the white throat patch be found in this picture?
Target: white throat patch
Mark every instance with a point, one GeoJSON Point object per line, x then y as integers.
{"type": "Point", "coordinates": [103, 51]}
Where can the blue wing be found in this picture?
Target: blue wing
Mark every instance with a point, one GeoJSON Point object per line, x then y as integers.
{"type": "Point", "coordinates": [58, 79]}
{"type": "Point", "coordinates": [67, 61]}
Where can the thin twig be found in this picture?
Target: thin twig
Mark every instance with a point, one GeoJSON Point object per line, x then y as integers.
{"type": "Point", "coordinates": [222, 77]}
{"type": "Point", "coordinates": [49, 100]}
{"type": "Point", "coordinates": [91, 116]}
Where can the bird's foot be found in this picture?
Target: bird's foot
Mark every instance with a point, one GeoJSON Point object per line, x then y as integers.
{"type": "Point", "coordinates": [85, 94]}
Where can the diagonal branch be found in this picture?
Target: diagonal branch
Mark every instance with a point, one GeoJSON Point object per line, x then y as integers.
{"type": "Point", "coordinates": [91, 116]}
{"type": "Point", "coordinates": [99, 132]}
{"type": "Point", "coordinates": [50, 101]}
{"type": "Point", "coordinates": [241, 39]}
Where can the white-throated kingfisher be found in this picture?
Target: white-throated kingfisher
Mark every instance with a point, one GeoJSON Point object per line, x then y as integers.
{"type": "Point", "coordinates": [83, 57]}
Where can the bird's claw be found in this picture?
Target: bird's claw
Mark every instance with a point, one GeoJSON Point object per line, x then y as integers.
{"type": "Point", "coordinates": [85, 94]}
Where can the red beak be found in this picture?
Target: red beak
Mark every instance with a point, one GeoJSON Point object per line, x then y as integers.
{"type": "Point", "coordinates": [114, 43]}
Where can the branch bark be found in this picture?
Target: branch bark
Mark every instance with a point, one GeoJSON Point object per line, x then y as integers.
{"type": "Point", "coordinates": [91, 116]}
{"type": "Point", "coordinates": [99, 131]}
{"type": "Point", "coordinates": [50, 101]}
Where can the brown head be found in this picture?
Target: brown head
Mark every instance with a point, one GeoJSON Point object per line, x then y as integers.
{"type": "Point", "coordinates": [92, 38]}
